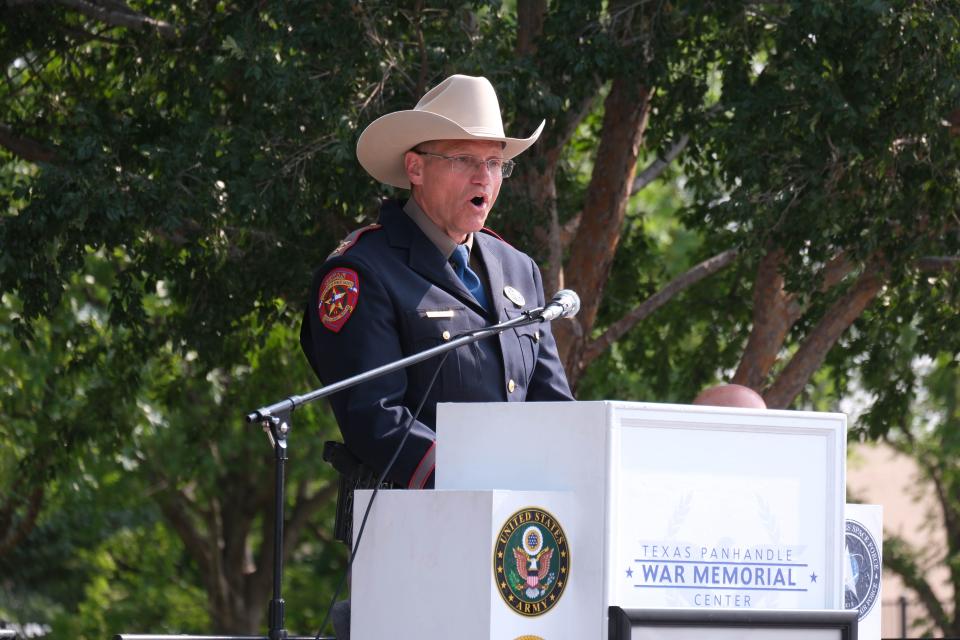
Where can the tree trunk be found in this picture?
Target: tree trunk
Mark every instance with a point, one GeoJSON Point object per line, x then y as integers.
{"type": "Point", "coordinates": [14, 529]}
{"type": "Point", "coordinates": [531, 15]}
{"type": "Point", "coordinates": [538, 188]}
{"type": "Point", "coordinates": [594, 348]}
{"type": "Point", "coordinates": [217, 538]}
{"type": "Point", "coordinates": [774, 314]}
{"type": "Point", "coordinates": [24, 147]}
{"type": "Point", "coordinates": [814, 348]}
{"type": "Point", "coordinates": [626, 110]}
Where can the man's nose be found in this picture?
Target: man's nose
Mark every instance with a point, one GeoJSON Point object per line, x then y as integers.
{"type": "Point", "coordinates": [482, 173]}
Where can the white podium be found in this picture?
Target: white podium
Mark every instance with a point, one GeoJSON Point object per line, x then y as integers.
{"type": "Point", "coordinates": [546, 514]}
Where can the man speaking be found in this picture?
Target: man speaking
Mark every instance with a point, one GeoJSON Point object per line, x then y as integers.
{"type": "Point", "coordinates": [426, 272]}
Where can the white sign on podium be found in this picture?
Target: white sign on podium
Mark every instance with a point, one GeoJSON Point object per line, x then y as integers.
{"type": "Point", "coordinates": [659, 506]}
{"type": "Point", "coordinates": [694, 507]}
{"type": "Point", "coordinates": [427, 563]}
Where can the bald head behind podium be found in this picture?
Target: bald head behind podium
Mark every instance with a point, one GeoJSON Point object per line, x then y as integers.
{"type": "Point", "coordinates": [730, 395]}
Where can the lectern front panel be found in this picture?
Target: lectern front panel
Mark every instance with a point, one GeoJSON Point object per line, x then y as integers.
{"type": "Point", "coordinates": [685, 507]}
{"type": "Point", "coordinates": [721, 510]}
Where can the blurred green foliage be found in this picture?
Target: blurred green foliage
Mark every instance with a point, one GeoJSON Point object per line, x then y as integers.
{"type": "Point", "coordinates": [155, 255]}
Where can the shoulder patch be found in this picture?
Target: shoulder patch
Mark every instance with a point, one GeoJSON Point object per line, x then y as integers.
{"type": "Point", "coordinates": [351, 240]}
{"type": "Point", "coordinates": [339, 294]}
{"type": "Point", "coordinates": [491, 232]}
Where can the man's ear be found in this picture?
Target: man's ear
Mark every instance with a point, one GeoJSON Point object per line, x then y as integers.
{"type": "Point", "coordinates": [413, 163]}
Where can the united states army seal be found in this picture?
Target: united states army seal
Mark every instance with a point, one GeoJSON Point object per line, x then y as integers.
{"type": "Point", "coordinates": [531, 561]}
{"type": "Point", "coordinates": [861, 574]}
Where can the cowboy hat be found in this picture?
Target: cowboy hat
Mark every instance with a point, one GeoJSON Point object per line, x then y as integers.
{"type": "Point", "coordinates": [459, 108]}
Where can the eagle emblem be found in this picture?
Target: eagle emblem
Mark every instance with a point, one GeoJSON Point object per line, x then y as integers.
{"type": "Point", "coordinates": [862, 569]}
{"type": "Point", "coordinates": [532, 569]}
{"type": "Point", "coordinates": [531, 562]}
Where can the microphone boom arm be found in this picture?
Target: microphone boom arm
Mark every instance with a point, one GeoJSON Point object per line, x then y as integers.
{"type": "Point", "coordinates": [533, 316]}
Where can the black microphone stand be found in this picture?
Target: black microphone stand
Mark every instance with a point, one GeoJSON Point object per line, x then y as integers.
{"type": "Point", "coordinates": [287, 406]}
{"type": "Point", "coordinates": [277, 421]}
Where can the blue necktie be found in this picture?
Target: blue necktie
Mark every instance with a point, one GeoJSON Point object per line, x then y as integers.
{"type": "Point", "coordinates": [467, 275]}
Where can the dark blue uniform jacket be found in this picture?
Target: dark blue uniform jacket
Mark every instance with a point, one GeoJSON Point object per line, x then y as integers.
{"type": "Point", "coordinates": [409, 299]}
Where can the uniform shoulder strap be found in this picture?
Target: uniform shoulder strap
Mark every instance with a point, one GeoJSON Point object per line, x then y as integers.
{"type": "Point", "coordinates": [348, 242]}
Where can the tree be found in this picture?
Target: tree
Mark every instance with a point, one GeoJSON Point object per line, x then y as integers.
{"type": "Point", "coordinates": [196, 161]}
{"type": "Point", "coordinates": [822, 167]}
{"type": "Point", "coordinates": [150, 122]}
{"type": "Point", "coordinates": [64, 389]}
{"type": "Point", "coordinates": [178, 439]}
{"type": "Point", "coordinates": [929, 437]}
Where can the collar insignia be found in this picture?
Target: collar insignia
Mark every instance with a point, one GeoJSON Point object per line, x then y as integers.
{"type": "Point", "coordinates": [351, 240]}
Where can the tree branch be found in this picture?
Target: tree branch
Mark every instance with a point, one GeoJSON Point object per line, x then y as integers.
{"type": "Point", "coordinates": [626, 112]}
{"type": "Point", "coordinates": [933, 472]}
{"type": "Point", "coordinates": [422, 45]}
{"type": "Point", "coordinates": [304, 510]}
{"type": "Point", "coordinates": [86, 36]}
{"type": "Point", "coordinates": [618, 329]}
{"type": "Point", "coordinates": [259, 583]}
{"type": "Point", "coordinates": [899, 558]}
{"type": "Point", "coordinates": [243, 496]}
{"type": "Point", "coordinates": [773, 315]}
{"type": "Point", "coordinates": [26, 148]}
{"type": "Point", "coordinates": [13, 535]}
{"type": "Point", "coordinates": [540, 187]}
{"type": "Point", "coordinates": [814, 348]}
{"type": "Point", "coordinates": [125, 17]}
{"type": "Point", "coordinates": [215, 543]}
{"type": "Point", "coordinates": [775, 311]}
{"type": "Point", "coordinates": [176, 509]}
{"type": "Point", "coordinates": [569, 229]}
{"type": "Point", "coordinates": [658, 166]}
{"type": "Point", "coordinates": [938, 263]}
{"type": "Point", "coordinates": [838, 268]}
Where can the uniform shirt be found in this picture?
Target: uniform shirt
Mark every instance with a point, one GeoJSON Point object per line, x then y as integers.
{"type": "Point", "coordinates": [444, 243]}
{"type": "Point", "coordinates": [388, 292]}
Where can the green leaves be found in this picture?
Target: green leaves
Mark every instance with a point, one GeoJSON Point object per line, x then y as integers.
{"type": "Point", "coordinates": [173, 191]}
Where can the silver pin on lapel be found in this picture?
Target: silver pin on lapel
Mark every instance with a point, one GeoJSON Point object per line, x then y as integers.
{"type": "Point", "coordinates": [514, 296]}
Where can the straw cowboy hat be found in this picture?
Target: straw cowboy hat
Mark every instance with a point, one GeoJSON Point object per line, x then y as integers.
{"type": "Point", "coordinates": [459, 108]}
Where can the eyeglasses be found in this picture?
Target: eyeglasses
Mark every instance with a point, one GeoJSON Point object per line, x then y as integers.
{"type": "Point", "coordinates": [470, 164]}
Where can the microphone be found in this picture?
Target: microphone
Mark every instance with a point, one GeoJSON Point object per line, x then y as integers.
{"type": "Point", "coordinates": [565, 304]}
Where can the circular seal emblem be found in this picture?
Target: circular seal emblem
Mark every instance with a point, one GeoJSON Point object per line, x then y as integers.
{"type": "Point", "coordinates": [339, 292]}
{"type": "Point", "coordinates": [531, 561]}
{"type": "Point", "coordinates": [861, 572]}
